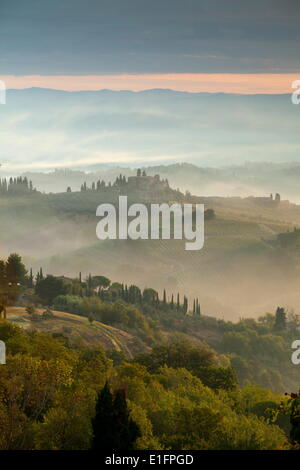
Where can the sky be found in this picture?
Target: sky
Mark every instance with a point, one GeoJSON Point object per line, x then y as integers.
{"type": "Point", "coordinates": [266, 83]}
{"type": "Point", "coordinates": [194, 46]}
{"type": "Point", "coordinates": [138, 44]}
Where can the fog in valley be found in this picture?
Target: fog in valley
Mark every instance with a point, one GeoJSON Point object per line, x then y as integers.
{"type": "Point", "coordinates": [244, 268]}
{"type": "Point", "coordinates": [217, 147]}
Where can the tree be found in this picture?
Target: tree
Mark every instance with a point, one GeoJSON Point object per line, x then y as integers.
{"type": "Point", "coordinates": [198, 308]}
{"type": "Point", "coordinates": [89, 285]}
{"type": "Point", "coordinates": [103, 432]}
{"type": "Point", "coordinates": [295, 419]}
{"type": "Point", "coordinates": [176, 354]}
{"type": "Point", "coordinates": [291, 408]}
{"type": "Point", "coordinates": [49, 288]}
{"type": "Point", "coordinates": [127, 430]}
{"type": "Point", "coordinates": [134, 295]}
{"type": "Point", "coordinates": [3, 278]}
{"type": "Point", "coordinates": [178, 302]}
{"type": "Point", "coordinates": [30, 279]}
{"type": "Point", "coordinates": [185, 305]}
{"type": "Point", "coordinates": [280, 319]}
{"type": "Point", "coordinates": [150, 296]}
{"type": "Point", "coordinates": [15, 269]}
{"type": "Point", "coordinates": [113, 429]}
{"type": "Point", "coordinates": [218, 377]}
{"type": "Point", "coordinates": [209, 214]}
{"type": "Point", "coordinates": [39, 276]}
{"type": "Point", "coordinates": [100, 282]}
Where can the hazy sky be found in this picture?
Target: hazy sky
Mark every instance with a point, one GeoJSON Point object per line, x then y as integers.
{"type": "Point", "coordinates": [158, 37]}
{"type": "Point", "coordinates": [229, 46]}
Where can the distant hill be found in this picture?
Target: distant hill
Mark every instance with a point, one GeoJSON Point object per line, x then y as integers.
{"type": "Point", "coordinates": [86, 130]}
{"type": "Point", "coordinates": [242, 269]}
{"type": "Point", "coordinates": [258, 179]}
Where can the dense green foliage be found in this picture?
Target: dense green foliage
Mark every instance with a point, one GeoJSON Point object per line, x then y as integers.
{"type": "Point", "coordinates": [49, 393]}
{"type": "Point", "coordinates": [113, 428]}
{"type": "Point", "coordinates": [257, 350]}
{"type": "Point", "coordinates": [189, 382]}
{"type": "Point", "coordinates": [47, 289]}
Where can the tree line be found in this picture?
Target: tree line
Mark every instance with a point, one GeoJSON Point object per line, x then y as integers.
{"type": "Point", "coordinates": [16, 186]}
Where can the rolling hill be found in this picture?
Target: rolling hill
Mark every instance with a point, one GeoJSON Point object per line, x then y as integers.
{"type": "Point", "coordinates": [77, 329]}
{"type": "Point", "coordinates": [242, 270]}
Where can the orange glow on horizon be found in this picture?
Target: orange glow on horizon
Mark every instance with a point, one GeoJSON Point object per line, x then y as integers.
{"type": "Point", "coordinates": [190, 82]}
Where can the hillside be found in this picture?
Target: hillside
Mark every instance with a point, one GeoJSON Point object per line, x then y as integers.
{"type": "Point", "coordinates": [50, 395]}
{"type": "Point", "coordinates": [78, 330]}
{"type": "Point", "coordinates": [258, 352]}
{"type": "Point", "coordinates": [239, 180]}
{"type": "Point", "coordinates": [132, 321]}
{"type": "Point", "coordinates": [57, 231]}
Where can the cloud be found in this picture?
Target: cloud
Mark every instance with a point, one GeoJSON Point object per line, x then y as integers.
{"type": "Point", "coordinates": [137, 36]}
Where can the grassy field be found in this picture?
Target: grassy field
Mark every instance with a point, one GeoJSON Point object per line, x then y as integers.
{"type": "Point", "coordinates": [78, 329]}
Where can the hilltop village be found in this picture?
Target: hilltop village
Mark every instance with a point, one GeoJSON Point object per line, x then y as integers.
{"type": "Point", "coordinates": [141, 186]}
{"type": "Point", "coordinates": [141, 181]}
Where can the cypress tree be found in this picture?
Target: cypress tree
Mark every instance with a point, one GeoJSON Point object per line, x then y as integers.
{"type": "Point", "coordinates": [126, 293]}
{"type": "Point", "coordinates": [113, 429]}
{"type": "Point", "coordinates": [185, 305]}
{"type": "Point", "coordinates": [280, 319]}
{"type": "Point", "coordinates": [127, 430]}
{"type": "Point", "coordinates": [103, 430]}
{"type": "Point", "coordinates": [30, 280]}
{"type": "Point", "coordinates": [3, 279]}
